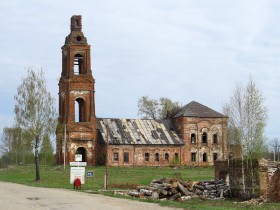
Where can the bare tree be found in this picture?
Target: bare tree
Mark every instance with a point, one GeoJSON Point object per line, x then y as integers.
{"type": "Point", "coordinates": [247, 120]}
{"type": "Point", "coordinates": [163, 108]}
{"type": "Point", "coordinates": [35, 112]}
{"type": "Point", "coordinates": [148, 108]}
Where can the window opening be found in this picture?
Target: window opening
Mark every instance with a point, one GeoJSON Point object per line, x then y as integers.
{"type": "Point", "coordinates": [116, 156]}
{"type": "Point", "coordinates": [176, 156]}
{"type": "Point", "coordinates": [215, 139]}
{"type": "Point", "coordinates": [157, 157]}
{"type": "Point", "coordinates": [193, 157]}
{"type": "Point", "coordinates": [204, 138]}
{"type": "Point", "coordinates": [78, 64]}
{"type": "Point", "coordinates": [193, 138]}
{"type": "Point", "coordinates": [215, 156]}
{"type": "Point", "coordinates": [126, 157]}
{"type": "Point", "coordinates": [166, 156]}
{"type": "Point", "coordinates": [80, 110]}
{"type": "Point", "coordinates": [147, 156]}
{"type": "Point", "coordinates": [204, 157]}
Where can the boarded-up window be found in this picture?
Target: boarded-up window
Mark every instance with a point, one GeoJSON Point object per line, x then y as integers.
{"type": "Point", "coordinates": [126, 157]}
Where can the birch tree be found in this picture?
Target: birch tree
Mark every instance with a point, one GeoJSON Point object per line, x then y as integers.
{"type": "Point", "coordinates": [247, 120]}
{"type": "Point", "coordinates": [34, 111]}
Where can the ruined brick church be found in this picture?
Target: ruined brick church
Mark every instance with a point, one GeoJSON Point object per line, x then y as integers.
{"type": "Point", "coordinates": [197, 135]}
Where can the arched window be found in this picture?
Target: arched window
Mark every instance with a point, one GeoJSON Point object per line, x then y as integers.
{"type": "Point", "coordinates": [204, 157]}
{"type": "Point", "coordinates": [193, 138]}
{"type": "Point", "coordinates": [78, 64]}
{"type": "Point", "coordinates": [204, 138]}
{"type": "Point", "coordinates": [166, 156]}
{"type": "Point", "coordinates": [80, 110]}
{"type": "Point", "coordinates": [215, 139]}
{"type": "Point", "coordinates": [156, 157]}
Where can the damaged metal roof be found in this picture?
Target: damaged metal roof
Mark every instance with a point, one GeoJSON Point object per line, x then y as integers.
{"type": "Point", "coordinates": [138, 131]}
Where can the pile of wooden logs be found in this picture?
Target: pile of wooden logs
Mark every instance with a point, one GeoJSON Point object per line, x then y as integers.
{"type": "Point", "coordinates": [173, 189]}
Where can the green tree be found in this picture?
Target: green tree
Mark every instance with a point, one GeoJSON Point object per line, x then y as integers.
{"type": "Point", "coordinates": [13, 145]}
{"type": "Point", "coordinates": [35, 111]}
{"type": "Point", "coordinates": [47, 151]}
{"type": "Point", "coordinates": [164, 108]}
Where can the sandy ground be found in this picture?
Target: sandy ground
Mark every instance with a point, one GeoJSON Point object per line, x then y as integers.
{"type": "Point", "coordinates": [21, 197]}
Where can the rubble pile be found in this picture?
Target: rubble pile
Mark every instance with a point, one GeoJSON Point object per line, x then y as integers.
{"type": "Point", "coordinates": [173, 189]}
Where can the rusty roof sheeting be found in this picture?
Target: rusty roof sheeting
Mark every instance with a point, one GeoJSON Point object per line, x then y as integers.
{"type": "Point", "coordinates": [138, 131]}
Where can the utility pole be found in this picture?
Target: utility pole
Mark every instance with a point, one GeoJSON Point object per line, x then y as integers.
{"type": "Point", "coordinates": [64, 155]}
{"type": "Point", "coordinates": [107, 144]}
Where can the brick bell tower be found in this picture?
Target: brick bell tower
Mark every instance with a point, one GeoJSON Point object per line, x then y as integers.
{"type": "Point", "coordinates": [76, 132]}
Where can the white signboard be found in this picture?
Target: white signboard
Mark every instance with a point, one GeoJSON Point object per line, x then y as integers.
{"type": "Point", "coordinates": [77, 172]}
{"type": "Point", "coordinates": [78, 157]}
{"type": "Point", "coordinates": [78, 163]}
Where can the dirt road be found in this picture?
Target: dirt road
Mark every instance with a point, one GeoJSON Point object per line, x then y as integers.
{"type": "Point", "coordinates": [20, 197]}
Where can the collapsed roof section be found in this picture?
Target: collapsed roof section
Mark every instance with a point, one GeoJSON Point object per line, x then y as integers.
{"type": "Point", "coordinates": [138, 131]}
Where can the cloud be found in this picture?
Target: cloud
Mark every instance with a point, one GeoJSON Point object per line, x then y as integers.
{"type": "Point", "coordinates": [184, 50]}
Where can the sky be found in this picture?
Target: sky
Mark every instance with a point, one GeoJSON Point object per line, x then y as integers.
{"type": "Point", "coordinates": [186, 50]}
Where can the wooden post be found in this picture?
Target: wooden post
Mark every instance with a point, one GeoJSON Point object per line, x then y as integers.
{"type": "Point", "coordinates": [107, 143]}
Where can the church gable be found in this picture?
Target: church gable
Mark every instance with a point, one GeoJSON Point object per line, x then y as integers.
{"type": "Point", "coordinates": [137, 132]}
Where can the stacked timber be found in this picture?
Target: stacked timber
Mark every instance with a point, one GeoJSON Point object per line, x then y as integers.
{"type": "Point", "coordinates": [174, 189]}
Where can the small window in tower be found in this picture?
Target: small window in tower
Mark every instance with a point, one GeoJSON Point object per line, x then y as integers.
{"type": "Point", "coordinates": [80, 110]}
{"type": "Point", "coordinates": [77, 23]}
{"type": "Point", "coordinates": [78, 38]}
{"type": "Point", "coordinates": [78, 64]}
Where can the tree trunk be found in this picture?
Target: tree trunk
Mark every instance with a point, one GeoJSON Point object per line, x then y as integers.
{"type": "Point", "coordinates": [36, 156]}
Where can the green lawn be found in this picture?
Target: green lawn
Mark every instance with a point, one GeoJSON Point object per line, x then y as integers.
{"type": "Point", "coordinates": [123, 178]}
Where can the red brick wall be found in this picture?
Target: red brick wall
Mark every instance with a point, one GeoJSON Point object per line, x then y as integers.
{"type": "Point", "coordinates": [192, 125]}
{"type": "Point", "coordinates": [137, 155]}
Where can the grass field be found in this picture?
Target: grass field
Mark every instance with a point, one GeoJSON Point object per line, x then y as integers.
{"type": "Point", "coordinates": [123, 178]}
